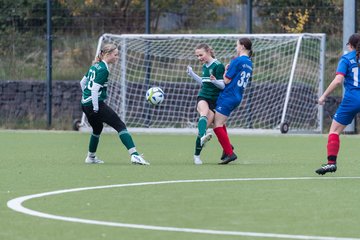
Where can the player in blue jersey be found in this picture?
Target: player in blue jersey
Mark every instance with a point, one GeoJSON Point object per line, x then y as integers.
{"type": "Point", "coordinates": [208, 93]}
{"type": "Point", "coordinates": [94, 92]}
{"type": "Point", "coordinates": [237, 75]}
{"type": "Point", "coordinates": [347, 73]}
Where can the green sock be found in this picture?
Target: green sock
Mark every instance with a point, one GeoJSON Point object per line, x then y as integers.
{"type": "Point", "coordinates": [198, 147]}
{"type": "Point", "coordinates": [94, 140]}
{"type": "Point", "coordinates": [202, 124]}
{"type": "Point", "coordinates": [126, 139]}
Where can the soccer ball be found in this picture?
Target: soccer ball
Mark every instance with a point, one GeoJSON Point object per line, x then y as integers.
{"type": "Point", "coordinates": [155, 96]}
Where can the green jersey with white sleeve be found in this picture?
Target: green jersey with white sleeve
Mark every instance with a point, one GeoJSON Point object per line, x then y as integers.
{"type": "Point", "coordinates": [97, 74]}
{"type": "Point", "coordinates": [208, 89]}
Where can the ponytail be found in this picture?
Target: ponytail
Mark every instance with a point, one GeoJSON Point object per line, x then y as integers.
{"type": "Point", "coordinates": [106, 49]}
{"type": "Point", "coordinates": [246, 42]}
{"type": "Point", "coordinates": [354, 42]}
{"type": "Point", "coordinates": [251, 53]}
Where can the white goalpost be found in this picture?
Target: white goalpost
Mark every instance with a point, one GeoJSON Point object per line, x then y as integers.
{"type": "Point", "coordinates": [282, 96]}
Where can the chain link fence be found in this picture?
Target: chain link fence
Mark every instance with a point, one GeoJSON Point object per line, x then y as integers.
{"type": "Point", "coordinates": [77, 25]}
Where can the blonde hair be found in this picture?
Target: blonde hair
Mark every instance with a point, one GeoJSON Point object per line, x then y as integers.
{"type": "Point", "coordinates": [105, 49]}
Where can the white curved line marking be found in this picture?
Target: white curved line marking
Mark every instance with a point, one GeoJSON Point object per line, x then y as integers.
{"type": "Point", "coordinates": [16, 205]}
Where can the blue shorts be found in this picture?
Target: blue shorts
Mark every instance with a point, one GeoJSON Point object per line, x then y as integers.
{"type": "Point", "coordinates": [347, 110]}
{"type": "Point", "coordinates": [226, 105]}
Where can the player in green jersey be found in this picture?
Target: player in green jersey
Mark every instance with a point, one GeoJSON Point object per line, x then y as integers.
{"type": "Point", "coordinates": [208, 94]}
{"type": "Point", "coordinates": [94, 92]}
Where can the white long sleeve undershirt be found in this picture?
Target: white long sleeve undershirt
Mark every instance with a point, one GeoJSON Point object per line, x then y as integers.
{"type": "Point", "coordinates": [219, 83]}
{"type": "Point", "coordinates": [95, 96]}
{"type": "Point", "coordinates": [194, 76]}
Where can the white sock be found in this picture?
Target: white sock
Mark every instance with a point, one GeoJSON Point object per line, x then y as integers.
{"type": "Point", "coordinates": [197, 160]}
{"type": "Point", "coordinates": [132, 150]}
{"type": "Point", "coordinates": [91, 155]}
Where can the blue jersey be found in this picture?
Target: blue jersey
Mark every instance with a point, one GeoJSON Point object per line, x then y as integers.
{"type": "Point", "coordinates": [240, 72]}
{"type": "Point", "coordinates": [350, 105]}
{"type": "Point", "coordinates": [348, 67]}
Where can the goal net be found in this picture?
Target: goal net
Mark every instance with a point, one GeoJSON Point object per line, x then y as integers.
{"type": "Point", "coordinates": [286, 83]}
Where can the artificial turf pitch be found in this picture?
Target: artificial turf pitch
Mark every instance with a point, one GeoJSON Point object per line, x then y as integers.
{"type": "Point", "coordinates": [272, 190]}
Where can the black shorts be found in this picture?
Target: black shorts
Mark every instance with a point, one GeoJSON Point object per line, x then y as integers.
{"type": "Point", "coordinates": [210, 102]}
{"type": "Point", "coordinates": [104, 115]}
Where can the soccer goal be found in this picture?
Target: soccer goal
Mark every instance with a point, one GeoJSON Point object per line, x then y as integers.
{"type": "Point", "coordinates": [287, 81]}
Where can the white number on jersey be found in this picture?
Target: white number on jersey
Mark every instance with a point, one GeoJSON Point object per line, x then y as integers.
{"type": "Point", "coordinates": [244, 79]}
{"type": "Point", "coordinates": [91, 79]}
{"type": "Point", "coordinates": [355, 71]}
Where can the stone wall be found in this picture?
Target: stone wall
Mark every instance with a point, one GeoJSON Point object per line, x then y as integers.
{"type": "Point", "coordinates": [26, 101]}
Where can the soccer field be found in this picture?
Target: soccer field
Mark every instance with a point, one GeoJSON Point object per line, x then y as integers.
{"type": "Point", "coordinates": [270, 192]}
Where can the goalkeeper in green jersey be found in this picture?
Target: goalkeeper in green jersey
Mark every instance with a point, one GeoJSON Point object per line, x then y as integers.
{"type": "Point", "coordinates": [94, 92]}
{"type": "Point", "coordinates": [209, 92]}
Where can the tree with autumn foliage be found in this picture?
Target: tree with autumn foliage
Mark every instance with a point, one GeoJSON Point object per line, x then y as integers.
{"type": "Point", "coordinates": [296, 16]}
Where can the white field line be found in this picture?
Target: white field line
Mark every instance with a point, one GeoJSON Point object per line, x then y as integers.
{"type": "Point", "coordinates": [16, 205]}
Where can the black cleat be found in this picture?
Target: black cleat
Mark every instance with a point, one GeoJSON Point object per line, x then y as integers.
{"type": "Point", "coordinates": [228, 158]}
{"type": "Point", "coordinates": [224, 154]}
{"type": "Point", "coordinates": [326, 168]}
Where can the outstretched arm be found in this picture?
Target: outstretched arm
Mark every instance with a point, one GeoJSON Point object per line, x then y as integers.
{"type": "Point", "coordinates": [338, 80]}
{"type": "Point", "coordinates": [192, 74]}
